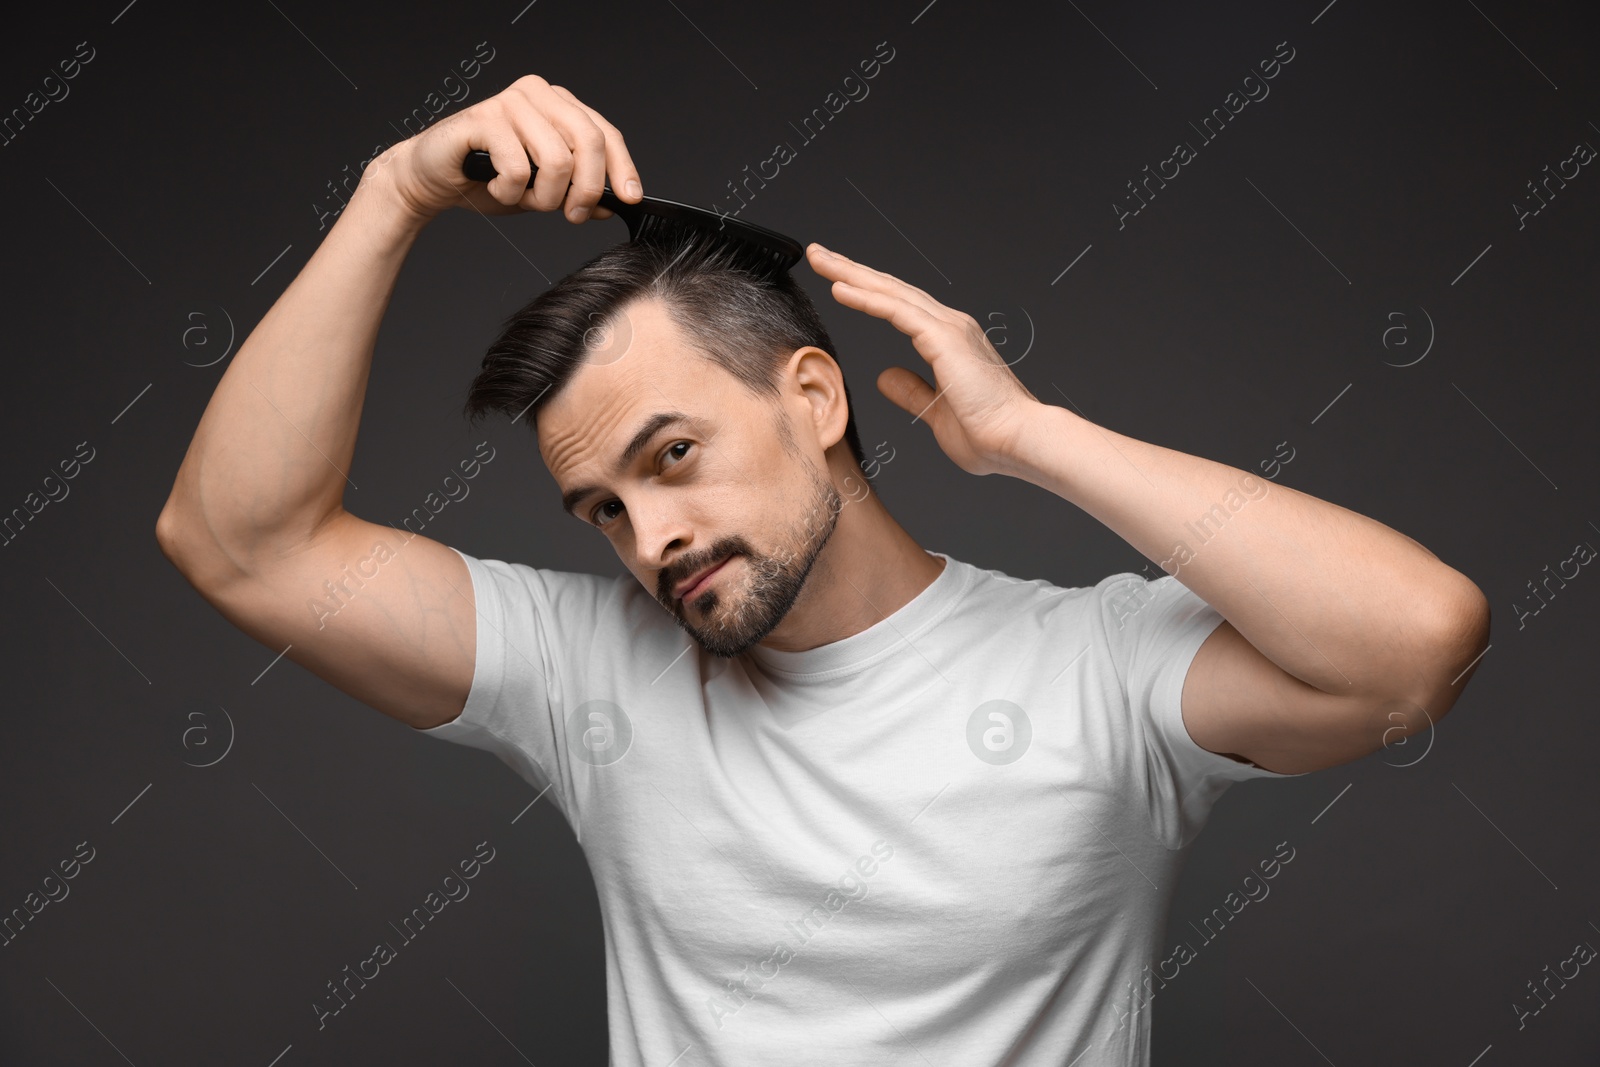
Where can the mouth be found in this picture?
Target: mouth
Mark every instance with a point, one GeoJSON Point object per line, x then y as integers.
{"type": "Point", "coordinates": [692, 586]}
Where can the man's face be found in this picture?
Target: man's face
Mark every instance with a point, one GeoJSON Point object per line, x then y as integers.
{"type": "Point", "coordinates": [729, 481]}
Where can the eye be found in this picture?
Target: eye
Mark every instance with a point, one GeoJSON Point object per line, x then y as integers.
{"type": "Point", "coordinates": [602, 522]}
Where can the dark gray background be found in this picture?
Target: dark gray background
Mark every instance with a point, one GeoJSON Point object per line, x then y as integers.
{"type": "Point", "coordinates": [1251, 294]}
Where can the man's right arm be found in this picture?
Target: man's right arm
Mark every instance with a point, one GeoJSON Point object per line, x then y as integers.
{"type": "Point", "coordinates": [255, 520]}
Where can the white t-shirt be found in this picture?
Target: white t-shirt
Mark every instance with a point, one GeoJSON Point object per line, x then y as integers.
{"type": "Point", "coordinates": [950, 838]}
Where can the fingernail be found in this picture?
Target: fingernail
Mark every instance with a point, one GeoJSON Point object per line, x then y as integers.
{"type": "Point", "coordinates": [579, 213]}
{"type": "Point", "coordinates": [633, 187]}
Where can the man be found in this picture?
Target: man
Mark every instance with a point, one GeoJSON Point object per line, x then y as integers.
{"type": "Point", "coordinates": [845, 800]}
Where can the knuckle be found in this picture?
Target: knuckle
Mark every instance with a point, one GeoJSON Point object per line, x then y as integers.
{"type": "Point", "coordinates": [508, 104]}
{"type": "Point", "coordinates": [516, 166]}
{"type": "Point", "coordinates": [602, 122]}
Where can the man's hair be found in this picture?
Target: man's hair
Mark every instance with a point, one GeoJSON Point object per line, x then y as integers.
{"type": "Point", "coordinates": [734, 307]}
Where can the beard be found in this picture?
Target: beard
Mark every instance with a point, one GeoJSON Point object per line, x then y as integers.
{"type": "Point", "coordinates": [728, 619]}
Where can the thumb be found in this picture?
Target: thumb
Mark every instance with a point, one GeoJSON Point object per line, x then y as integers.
{"type": "Point", "coordinates": [906, 389]}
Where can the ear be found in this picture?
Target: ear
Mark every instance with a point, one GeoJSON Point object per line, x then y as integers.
{"type": "Point", "coordinates": [819, 379]}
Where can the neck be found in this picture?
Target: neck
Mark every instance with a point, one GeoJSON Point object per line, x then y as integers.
{"type": "Point", "coordinates": [869, 569]}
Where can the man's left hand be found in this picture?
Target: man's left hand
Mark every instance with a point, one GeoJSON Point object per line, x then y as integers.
{"type": "Point", "coordinates": [981, 410]}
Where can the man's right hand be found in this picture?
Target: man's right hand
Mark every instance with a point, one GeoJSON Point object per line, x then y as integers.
{"type": "Point", "coordinates": [256, 520]}
{"type": "Point", "coordinates": [574, 147]}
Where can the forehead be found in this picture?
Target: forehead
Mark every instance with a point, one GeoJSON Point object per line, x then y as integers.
{"type": "Point", "coordinates": [638, 362]}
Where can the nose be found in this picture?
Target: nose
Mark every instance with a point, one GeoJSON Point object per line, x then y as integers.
{"type": "Point", "coordinates": [661, 532]}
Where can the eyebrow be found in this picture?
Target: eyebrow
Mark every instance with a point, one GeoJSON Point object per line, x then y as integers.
{"type": "Point", "coordinates": [652, 426]}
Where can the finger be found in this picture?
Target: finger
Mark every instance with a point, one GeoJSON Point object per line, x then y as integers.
{"type": "Point", "coordinates": [907, 390]}
{"type": "Point", "coordinates": [619, 163]}
{"type": "Point", "coordinates": [833, 265]}
{"type": "Point", "coordinates": [863, 276]}
{"type": "Point", "coordinates": [909, 318]}
{"type": "Point", "coordinates": [588, 145]}
{"type": "Point", "coordinates": [550, 153]}
{"type": "Point", "coordinates": [510, 161]}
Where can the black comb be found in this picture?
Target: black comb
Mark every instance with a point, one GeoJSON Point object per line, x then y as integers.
{"type": "Point", "coordinates": [653, 218]}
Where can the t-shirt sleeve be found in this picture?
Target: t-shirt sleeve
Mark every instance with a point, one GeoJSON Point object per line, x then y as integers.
{"type": "Point", "coordinates": [530, 622]}
{"type": "Point", "coordinates": [1152, 630]}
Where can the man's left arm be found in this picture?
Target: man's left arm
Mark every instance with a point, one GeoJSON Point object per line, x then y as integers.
{"type": "Point", "coordinates": [1340, 633]}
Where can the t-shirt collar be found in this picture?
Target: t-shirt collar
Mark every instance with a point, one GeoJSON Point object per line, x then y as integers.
{"type": "Point", "coordinates": [855, 653]}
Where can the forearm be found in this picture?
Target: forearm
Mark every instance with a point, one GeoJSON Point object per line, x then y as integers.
{"type": "Point", "coordinates": [270, 459]}
{"type": "Point", "coordinates": [1339, 600]}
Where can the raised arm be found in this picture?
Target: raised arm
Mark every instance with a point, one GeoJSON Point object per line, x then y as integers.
{"type": "Point", "coordinates": [1339, 635]}
{"type": "Point", "coordinates": [256, 520]}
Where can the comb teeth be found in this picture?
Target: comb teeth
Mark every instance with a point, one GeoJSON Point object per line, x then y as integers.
{"type": "Point", "coordinates": [650, 226]}
{"type": "Point", "coordinates": [656, 227]}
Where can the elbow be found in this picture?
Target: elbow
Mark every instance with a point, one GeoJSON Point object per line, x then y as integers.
{"type": "Point", "coordinates": [188, 546]}
{"type": "Point", "coordinates": [177, 538]}
{"type": "Point", "coordinates": [1466, 626]}
{"type": "Point", "coordinates": [1460, 637]}
{"type": "Point", "coordinates": [169, 533]}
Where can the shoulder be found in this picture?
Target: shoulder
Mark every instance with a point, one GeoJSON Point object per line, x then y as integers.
{"type": "Point", "coordinates": [997, 584]}
{"type": "Point", "coordinates": [1001, 595]}
{"type": "Point", "coordinates": [1122, 608]}
{"type": "Point", "coordinates": [570, 596]}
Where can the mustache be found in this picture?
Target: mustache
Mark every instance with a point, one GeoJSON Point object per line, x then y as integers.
{"type": "Point", "coordinates": [671, 578]}
{"type": "Point", "coordinates": [766, 567]}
